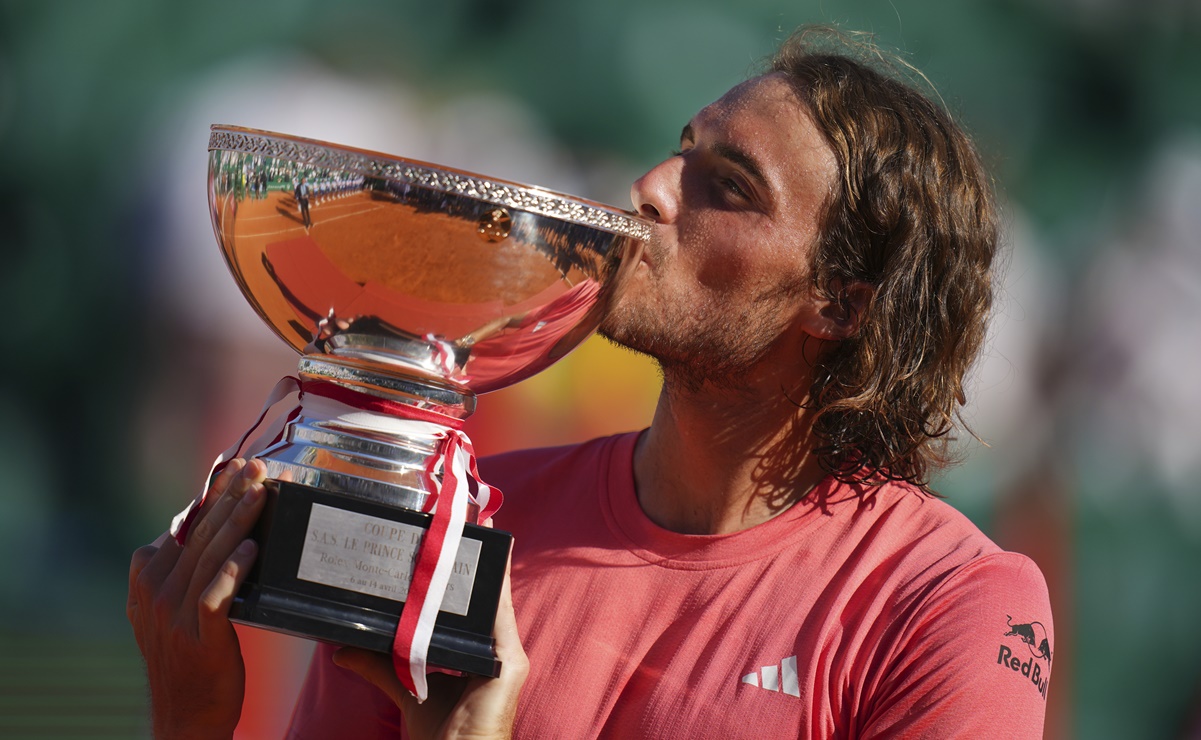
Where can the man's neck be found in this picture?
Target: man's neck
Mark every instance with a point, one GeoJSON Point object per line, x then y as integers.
{"type": "Point", "coordinates": [716, 461]}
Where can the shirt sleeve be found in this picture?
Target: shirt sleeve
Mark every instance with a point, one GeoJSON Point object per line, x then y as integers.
{"type": "Point", "coordinates": [975, 661]}
{"type": "Point", "coordinates": [336, 702]}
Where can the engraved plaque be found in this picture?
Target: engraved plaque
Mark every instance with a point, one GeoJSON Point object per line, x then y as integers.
{"type": "Point", "coordinates": [375, 556]}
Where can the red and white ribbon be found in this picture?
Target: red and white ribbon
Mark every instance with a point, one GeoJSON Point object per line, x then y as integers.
{"type": "Point", "coordinates": [182, 523]}
{"type": "Point", "coordinates": [431, 574]}
{"type": "Point", "coordinates": [452, 479]}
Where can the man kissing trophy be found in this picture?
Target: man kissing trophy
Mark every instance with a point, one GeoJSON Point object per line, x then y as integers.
{"type": "Point", "coordinates": [417, 288]}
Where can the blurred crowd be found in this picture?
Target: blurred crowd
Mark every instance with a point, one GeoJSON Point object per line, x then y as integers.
{"type": "Point", "coordinates": [134, 358]}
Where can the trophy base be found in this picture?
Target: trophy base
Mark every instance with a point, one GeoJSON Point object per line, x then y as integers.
{"type": "Point", "coordinates": [335, 568]}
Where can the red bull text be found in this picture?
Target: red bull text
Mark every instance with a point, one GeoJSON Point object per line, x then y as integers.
{"type": "Point", "coordinates": [1031, 668]}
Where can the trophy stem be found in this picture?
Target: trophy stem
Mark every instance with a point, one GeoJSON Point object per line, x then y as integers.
{"type": "Point", "coordinates": [368, 455]}
{"type": "Point", "coordinates": [415, 388]}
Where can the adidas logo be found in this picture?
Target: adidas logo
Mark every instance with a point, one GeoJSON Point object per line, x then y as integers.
{"type": "Point", "coordinates": [780, 677]}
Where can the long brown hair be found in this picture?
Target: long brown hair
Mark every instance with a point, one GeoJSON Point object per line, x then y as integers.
{"type": "Point", "coordinates": [913, 215]}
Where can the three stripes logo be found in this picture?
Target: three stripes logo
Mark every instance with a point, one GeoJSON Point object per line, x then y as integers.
{"type": "Point", "coordinates": [781, 677]}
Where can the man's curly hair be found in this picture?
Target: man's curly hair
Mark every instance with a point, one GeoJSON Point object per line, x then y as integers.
{"type": "Point", "coordinates": [913, 215]}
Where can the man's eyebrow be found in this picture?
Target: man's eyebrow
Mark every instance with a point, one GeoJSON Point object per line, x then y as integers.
{"type": "Point", "coordinates": [743, 160]}
{"type": "Point", "coordinates": [731, 153]}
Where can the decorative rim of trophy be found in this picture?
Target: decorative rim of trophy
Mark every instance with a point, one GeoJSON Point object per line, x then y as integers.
{"type": "Point", "coordinates": [448, 180]}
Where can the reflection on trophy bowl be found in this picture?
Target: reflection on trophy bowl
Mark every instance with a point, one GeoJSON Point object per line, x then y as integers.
{"type": "Point", "coordinates": [408, 287]}
{"type": "Point", "coordinates": [411, 269]}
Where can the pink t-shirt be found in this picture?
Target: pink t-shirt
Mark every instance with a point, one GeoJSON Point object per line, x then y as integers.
{"type": "Point", "coordinates": [882, 615]}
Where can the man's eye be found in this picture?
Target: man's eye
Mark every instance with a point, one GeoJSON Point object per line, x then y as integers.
{"type": "Point", "coordinates": [676, 152]}
{"type": "Point", "coordinates": [732, 186]}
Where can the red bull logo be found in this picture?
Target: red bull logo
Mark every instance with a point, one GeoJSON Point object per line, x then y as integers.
{"type": "Point", "coordinates": [1034, 636]}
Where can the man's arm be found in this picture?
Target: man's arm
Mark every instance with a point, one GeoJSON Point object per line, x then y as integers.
{"type": "Point", "coordinates": [975, 661]}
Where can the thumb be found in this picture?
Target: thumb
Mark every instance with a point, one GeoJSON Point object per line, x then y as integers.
{"type": "Point", "coordinates": [377, 669]}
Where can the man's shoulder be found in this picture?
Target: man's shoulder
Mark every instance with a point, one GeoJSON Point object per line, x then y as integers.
{"type": "Point", "coordinates": [933, 549]}
{"type": "Point", "coordinates": [926, 518]}
{"type": "Point", "coordinates": [950, 560]}
{"type": "Point", "coordinates": [978, 564]}
{"type": "Point", "coordinates": [969, 625]}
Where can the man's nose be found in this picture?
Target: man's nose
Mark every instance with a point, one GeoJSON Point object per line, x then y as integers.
{"type": "Point", "coordinates": [656, 194]}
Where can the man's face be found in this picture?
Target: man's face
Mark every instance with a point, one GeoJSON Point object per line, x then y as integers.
{"type": "Point", "coordinates": [726, 279]}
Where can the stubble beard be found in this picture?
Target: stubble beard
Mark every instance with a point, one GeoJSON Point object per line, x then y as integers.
{"type": "Point", "coordinates": [695, 346]}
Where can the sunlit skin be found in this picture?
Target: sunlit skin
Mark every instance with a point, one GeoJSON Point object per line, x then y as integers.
{"type": "Point", "coordinates": [726, 303]}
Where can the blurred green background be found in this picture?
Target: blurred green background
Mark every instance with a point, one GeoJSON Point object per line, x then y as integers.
{"type": "Point", "coordinates": [132, 360]}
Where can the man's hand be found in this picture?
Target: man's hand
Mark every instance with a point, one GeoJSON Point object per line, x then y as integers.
{"type": "Point", "coordinates": [457, 707]}
{"type": "Point", "coordinates": [179, 600]}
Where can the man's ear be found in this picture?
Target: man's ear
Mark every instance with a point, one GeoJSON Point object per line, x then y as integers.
{"type": "Point", "coordinates": [841, 316]}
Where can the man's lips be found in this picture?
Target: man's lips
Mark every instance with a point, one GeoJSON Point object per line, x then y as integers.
{"type": "Point", "coordinates": [651, 251]}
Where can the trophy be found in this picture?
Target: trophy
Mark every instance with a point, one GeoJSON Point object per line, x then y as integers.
{"type": "Point", "coordinates": [408, 288]}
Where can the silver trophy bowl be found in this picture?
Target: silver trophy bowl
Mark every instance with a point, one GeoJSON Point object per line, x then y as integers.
{"type": "Point", "coordinates": [411, 282]}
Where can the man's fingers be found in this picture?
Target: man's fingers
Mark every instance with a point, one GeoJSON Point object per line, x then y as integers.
{"type": "Point", "coordinates": [223, 498]}
{"type": "Point", "coordinates": [220, 504]}
{"type": "Point", "coordinates": [149, 567]}
{"type": "Point", "coordinates": [156, 573]}
{"type": "Point", "coordinates": [217, 489]}
{"type": "Point", "coordinates": [215, 600]}
{"type": "Point", "coordinates": [227, 475]}
{"type": "Point", "coordinates": [376, 668]}
{"type": "Point", "coordinates": [508, 640]}
{"type": "Point", "coordinates": [235, 528]}
{"type": "Point", "coordinates": [141, 558]}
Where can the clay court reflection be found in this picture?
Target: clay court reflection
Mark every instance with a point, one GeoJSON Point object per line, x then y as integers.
{"type": "Point", "coordinates": [441, 276]}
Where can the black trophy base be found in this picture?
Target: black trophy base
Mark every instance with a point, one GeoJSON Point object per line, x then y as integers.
{"type": "Point", "coordinates": [326, 562]}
